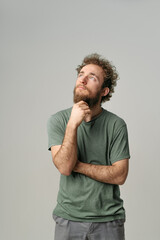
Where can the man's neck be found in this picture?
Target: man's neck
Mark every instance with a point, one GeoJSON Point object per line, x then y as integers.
{"type": "Point", "coordinates": [95, 111]}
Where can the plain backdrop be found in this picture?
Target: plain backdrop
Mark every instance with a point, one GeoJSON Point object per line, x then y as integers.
{"type": "Point", "coordinates": [41, 44]}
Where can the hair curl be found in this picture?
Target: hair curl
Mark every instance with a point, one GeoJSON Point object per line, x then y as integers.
{"type": "Point", "coordinates": [110, 73]}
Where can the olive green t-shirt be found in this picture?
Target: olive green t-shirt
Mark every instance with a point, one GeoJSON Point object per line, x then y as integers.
{"type": "Point", "coordinates": [101, 141]}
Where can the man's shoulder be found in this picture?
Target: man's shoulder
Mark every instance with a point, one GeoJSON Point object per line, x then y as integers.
{"type": "Point", "coordinates": [114, 119]}
{"type": "Point", "coordinates": [64, 112]}
{"type": "Point", "coordinates": [62, 115]}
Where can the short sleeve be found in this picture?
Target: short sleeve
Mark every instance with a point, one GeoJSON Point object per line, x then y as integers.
{"type": "Point", "coordinates": [120, 146]}
{"type": "Point", "coordinates": [55, 130]}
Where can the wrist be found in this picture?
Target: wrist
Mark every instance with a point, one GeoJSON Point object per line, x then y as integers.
{"type": "Point", "coordinates": [78, 167]}
{"type": "Point", "coordinates": [72, 125]}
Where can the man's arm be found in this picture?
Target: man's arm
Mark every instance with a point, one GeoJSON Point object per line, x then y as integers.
{"type": "Point", "coordinates": [65, 156]}
{"type": "Point", "coordinates": [114, 174]}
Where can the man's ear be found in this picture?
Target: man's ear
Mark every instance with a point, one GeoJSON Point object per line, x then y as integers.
{"type": "Point", "coordinates": [105, 91]}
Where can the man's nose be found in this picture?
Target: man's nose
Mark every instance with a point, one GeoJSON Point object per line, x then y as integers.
{"type": "Point", "coordinates": [84, 80]}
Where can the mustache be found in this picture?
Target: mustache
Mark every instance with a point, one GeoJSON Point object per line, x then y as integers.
{"type": "Point", "coordinates": [81, 85]}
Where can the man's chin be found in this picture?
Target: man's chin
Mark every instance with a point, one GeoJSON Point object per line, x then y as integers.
{"type": "Point", "coordinates": [78, 98]}
{"type": "Point", "coordinates": [80, 95]}
{"type": "Point", "coordinates": [91, 101]}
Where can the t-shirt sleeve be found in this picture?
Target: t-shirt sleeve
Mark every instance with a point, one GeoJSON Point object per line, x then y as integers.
{"type": "Point", "coordinates": [120, 146]}
{"type": "Point", "coordinates": [55, 130]}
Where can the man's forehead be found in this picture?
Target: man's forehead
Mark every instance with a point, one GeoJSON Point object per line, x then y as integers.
{"type": "Point", "coordinates": [92, 68]}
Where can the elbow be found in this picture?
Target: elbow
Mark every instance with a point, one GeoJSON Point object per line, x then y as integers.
{"type": "Point", "coordinates": [122, 180]}
{"type": "Point", "coordinates": [65, 171]}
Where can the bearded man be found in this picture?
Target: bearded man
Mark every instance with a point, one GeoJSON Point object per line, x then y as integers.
{"type": "Point", "coordinates": [90, 149]}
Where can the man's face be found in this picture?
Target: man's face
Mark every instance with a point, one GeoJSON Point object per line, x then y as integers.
{"type": "Point", "coordinates": [88, 85]}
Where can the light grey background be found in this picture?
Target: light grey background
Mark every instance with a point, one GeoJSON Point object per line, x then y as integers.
{"type": "Point", "coordinates": [42, 42]}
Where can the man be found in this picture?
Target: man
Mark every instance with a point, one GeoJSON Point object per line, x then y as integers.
{"type": "Point", "coordinates": [89, 147]}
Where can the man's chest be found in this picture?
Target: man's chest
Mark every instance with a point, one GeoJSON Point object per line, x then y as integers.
{"type": "Point", "coordinates": [94, 146]}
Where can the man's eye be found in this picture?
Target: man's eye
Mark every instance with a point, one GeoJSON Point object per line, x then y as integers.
{"type": "Point", "coordinates": [92, 78]}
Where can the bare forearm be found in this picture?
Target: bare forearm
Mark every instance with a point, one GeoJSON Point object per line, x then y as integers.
{"type": "Point", "coordinates": [66, 157]}
{"type": "Point", "coordinates": [107, 174]}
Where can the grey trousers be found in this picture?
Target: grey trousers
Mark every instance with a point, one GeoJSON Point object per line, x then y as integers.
{"type": "Point", "coordinates": [71, 230]}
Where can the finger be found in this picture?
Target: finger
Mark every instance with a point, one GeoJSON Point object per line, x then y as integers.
{"type": "Point", "coordinates": [84, 107]}
{"type": "Point", "coordinates": [82, 103]}
{"type": "Point", "coordinates": [87, 112]}
{"type": "Point", "coordinates": [87, 117]}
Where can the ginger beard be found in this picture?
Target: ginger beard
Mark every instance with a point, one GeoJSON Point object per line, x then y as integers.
{"type": "Point", "coordinates": [84, 95]}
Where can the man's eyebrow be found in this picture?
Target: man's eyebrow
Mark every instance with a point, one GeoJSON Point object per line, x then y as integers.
{"type": "Point", "coordinates": [80, 72]}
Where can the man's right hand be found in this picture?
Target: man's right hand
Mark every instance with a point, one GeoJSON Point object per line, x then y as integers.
{"type": "Point", "coordinates": [80, 111]}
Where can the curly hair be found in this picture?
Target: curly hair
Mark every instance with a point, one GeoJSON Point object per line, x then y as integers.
{"type": "Point", "coordinates": [110, 73]}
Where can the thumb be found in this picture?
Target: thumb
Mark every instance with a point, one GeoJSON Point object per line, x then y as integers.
{"type": "Point", "coordinates": [87, 117]}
